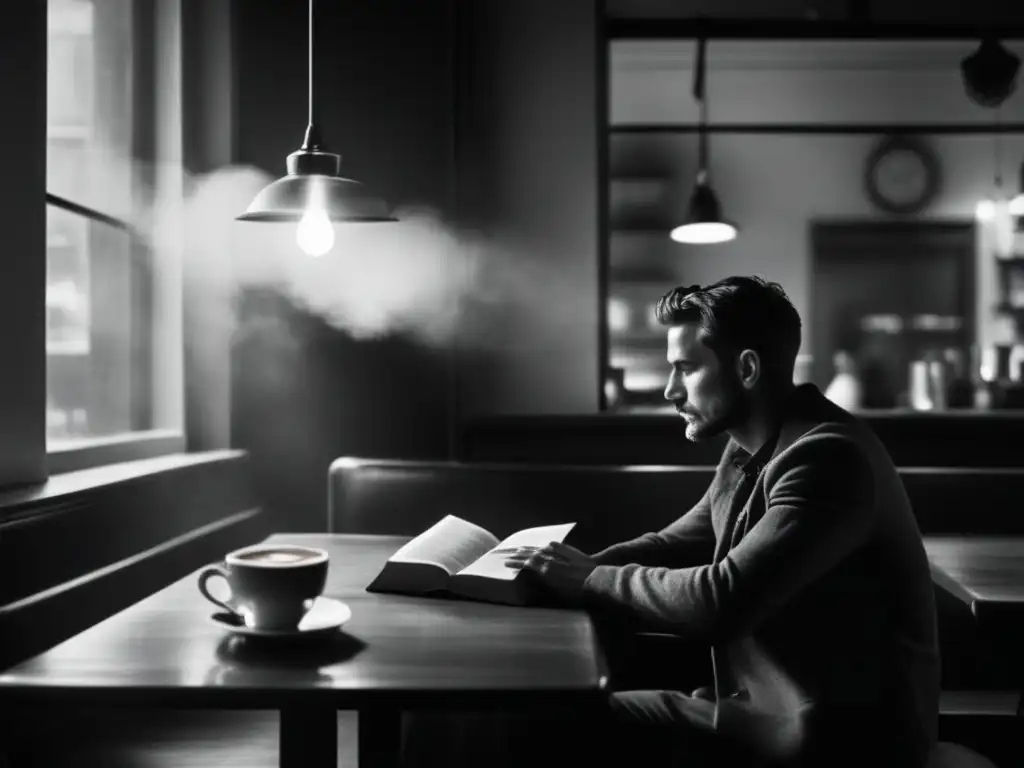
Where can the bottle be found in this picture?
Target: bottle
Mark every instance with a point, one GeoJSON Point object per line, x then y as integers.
{"type": "Point", "coordinates": [982, 372]}
{"type": "Point", "coordinates": [959, 390]}
{"type": "Point", "coordinates": [937, 384]}
{"type": "Point", "coordinates": [846, 389]}
{"type": "Point", "coordinates": [920, 386]}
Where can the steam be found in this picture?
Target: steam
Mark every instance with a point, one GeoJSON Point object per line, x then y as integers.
{"type": "Point", "coordinates": [421, 277]}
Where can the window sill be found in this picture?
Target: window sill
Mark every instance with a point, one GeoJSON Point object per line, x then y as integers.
{"type": "Point", "coordinates": [86, 453]}
{"type": "Point", "coordinates": [63, 490]}
{"type": "Point", "coordinates": [86, 544]}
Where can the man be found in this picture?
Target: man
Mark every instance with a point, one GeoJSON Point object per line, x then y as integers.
{"type": "Point", "coordinates": [802, 566]}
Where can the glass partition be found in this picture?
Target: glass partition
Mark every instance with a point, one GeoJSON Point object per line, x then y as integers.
{"type": "Point", "coordinates": [863, 179]}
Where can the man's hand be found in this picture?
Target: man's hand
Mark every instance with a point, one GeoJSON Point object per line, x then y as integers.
{"type": "Point", "coordinates": [561, 568]}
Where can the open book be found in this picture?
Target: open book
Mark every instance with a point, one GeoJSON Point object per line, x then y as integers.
{"type": "Point", "coordinates": [460, 559]}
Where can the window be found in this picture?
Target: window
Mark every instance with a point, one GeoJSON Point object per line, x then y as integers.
{"type": "Point", "coordinates": [112, 316]}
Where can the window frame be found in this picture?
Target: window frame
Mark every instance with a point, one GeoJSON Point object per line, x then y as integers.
{"type": "Point", "coordinates": [209, 140]}
{"type": "Point", "coordinates": [155, 137]}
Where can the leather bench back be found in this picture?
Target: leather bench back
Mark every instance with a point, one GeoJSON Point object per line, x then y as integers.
{"type": "Point", "coordinates": [613, 503]}
{"type": "Point", "coordinates": [966, 500]}
{"type": "Point", "coordinates": [608, 503]}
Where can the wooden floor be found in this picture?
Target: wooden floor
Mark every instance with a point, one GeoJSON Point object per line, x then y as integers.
{"type": "Point", "coordinates": [195, 739]}
{"type": "Point", "coordinates": [249, 739]}
{"type": "Point", "coordinates": [223, 739]}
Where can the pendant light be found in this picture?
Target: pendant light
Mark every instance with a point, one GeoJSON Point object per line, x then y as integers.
{"type": "Point", "coordinates": [312, 193]}
{"type": "Point", "coordinates": [704, 221]}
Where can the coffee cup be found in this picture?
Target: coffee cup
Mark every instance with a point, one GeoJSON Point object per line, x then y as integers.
{"type": "Point", "coordinates": [272, 586]}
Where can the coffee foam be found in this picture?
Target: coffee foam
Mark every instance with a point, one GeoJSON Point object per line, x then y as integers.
{"type": "Point", "coordinates": [270, 556]}
{"type": "Point", "coordinates": [280, 557]}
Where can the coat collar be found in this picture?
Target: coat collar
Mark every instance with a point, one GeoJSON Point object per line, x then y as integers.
{"type": "Point", "coordinates": [805, 408]}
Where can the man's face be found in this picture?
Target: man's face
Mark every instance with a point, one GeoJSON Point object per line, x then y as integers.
{"type": "Point", "coordinates": [708, 396]}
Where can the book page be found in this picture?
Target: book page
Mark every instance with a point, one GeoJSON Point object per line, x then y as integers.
{"type": "Point", "coordinates": [492, 564]}
{"type": "Point", "coordinates": [451, 543]}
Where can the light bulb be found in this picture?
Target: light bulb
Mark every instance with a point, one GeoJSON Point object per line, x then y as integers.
{"type": "Point", "coordinates": [315, 235]}
{"type": "Point", "coordinates": [704, 232]}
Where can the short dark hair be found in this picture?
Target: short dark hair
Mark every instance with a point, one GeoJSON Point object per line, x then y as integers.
{"type": "Point", "coordinates": [740, 313]}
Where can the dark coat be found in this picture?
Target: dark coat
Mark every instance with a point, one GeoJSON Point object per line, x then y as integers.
{"type": "Point", "coordinates": [804, 568]}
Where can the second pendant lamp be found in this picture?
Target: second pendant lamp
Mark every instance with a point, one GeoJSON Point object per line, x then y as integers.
{"type": "Point", "coordinates": [704, 223]}
{"type": "Point", "coordinates": [312, 194]}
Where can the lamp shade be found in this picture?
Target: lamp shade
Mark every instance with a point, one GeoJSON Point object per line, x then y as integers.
{"type": "Point", "coordinates": [704, 221]}
{"type": "Point", "coordinates": [990, 73]}
{"type": "Point", "coordinates": [312, 182]}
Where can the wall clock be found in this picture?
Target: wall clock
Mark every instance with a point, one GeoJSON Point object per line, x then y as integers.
{"type": "Point", "coordinates": [902, 175]}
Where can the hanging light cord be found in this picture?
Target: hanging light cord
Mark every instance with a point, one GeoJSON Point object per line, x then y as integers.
{"type": "Point", "coordinates": [704, 136]}
{"type": "Point", "coordinates": [699, 87]}
{"type": "Point", "coordinates": [997, 152]}
{"type": "Point", "coordinates": [312, 140]}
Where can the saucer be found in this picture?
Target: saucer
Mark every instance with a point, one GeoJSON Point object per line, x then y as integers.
{"type": "Point", "coordinates": [326, 616]}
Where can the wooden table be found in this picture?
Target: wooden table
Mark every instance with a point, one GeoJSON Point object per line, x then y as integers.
{"type": "Point", "coordinates": [985, 572]}
{"type": "Point", "coordinates": [397, 653]}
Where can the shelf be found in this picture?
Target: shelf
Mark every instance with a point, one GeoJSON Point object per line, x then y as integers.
{"type": "Point", "coordinates": [1004, 308]}
{"type": "Point", "coordinates": [637, 341]}
{"type": "Point", "coordinates": [640, 178]}
{"type": "Point", "coordinates": [656, 279]}
{"type": "Point", "coordinates": [647, 172]}
{"type": "Point", "coordinates": [660, 230]}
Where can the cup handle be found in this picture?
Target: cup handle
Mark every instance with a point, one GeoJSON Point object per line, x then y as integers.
{"type": "Point", "coordinates": [207, 574]}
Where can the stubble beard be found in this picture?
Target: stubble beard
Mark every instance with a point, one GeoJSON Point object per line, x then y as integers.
{"type": "Point", "coordinates": [727, 413]}
{"type": "Point", "coordinates": [698, 431]}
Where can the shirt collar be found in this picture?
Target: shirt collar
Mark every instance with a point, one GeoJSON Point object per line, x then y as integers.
{"type": "Point", "coordinates": [752, 464]}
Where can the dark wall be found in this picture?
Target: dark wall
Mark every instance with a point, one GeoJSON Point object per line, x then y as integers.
{"type": "Point", "coordinates": [483, 110]}
{"type": "Point", "coordinates": [383, 74]}
{"type": "Point", "coordinates": [23, 252]}
{"type": "Point", "coordinates": [530, 140]}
